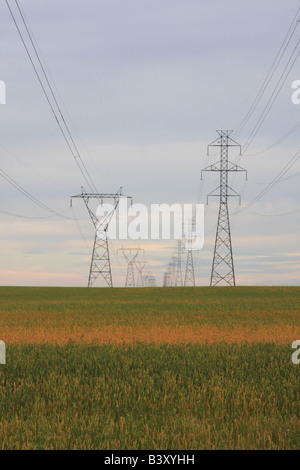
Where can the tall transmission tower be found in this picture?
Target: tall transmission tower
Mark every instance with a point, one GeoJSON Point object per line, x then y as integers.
{"type": "Point", "coordinates": [100, 263]}
{"type": "Point", "coordinates": [130, 255]}
{"type": "Point", "coordinates": [222, 266]}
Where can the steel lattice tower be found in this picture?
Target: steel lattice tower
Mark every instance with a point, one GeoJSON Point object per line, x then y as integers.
{"type": "Point", "coordinates": [130, 254]}
{"type": "Point", "coordinates": [173, 275]}
{"type": "Point", "coordinates": [150, 280]}
{"type": "Point", "coordinates": [140, 265]}
{"type": "Point", "coordinates": [100, 263]}
{"type": "Point", "coordinates": [189, 279]}
{"type": "Point", "coordinates": [167, 275]}
{"type": "Point", "coordinates": [223, 267]}
{"type": "Point", "coordinates": [178, 280]}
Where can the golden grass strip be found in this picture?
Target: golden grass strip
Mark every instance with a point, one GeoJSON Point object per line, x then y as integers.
{"type": "Point", "coordinates": [281, 334]}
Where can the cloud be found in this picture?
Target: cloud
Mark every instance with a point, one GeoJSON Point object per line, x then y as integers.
{"type": "Point", "coordinates": [144, 85]}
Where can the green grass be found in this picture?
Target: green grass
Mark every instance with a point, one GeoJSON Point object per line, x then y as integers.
{"type": "Point", "coordinates": [149, 397]}
{"type": "Point", "coordinates": [168, 394]}
{"type": "Point", "coordinates": [221, 306]}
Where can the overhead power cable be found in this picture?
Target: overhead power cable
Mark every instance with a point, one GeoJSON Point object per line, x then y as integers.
{"type": "Point", "coordinates": [276, 179]}
{"type": "Point", "coordinates": [29, 196]}
{"type": "Point", "coordinates": [282, 214]}
{"type": "Point", "coordinates": [281, 139]}
{"type": "Point", "coordinates": [51, 100]}
{"type": "Point", "coordinates": [275, 64]}
{"type": "Point", "coordinates": [274, 95]}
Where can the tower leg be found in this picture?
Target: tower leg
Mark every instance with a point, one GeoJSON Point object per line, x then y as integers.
{"type": "Point", "coordinates": [130, 275]}
{"type": "Point", "coordinates": [222, 268]}
{"type": "Point", "coordinates": [189, 279]}
{"type": "Point", "coordinates": [100, 264]}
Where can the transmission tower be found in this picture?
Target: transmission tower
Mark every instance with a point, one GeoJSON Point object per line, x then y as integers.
{"type": "Point", "coordinates": [189, 279]}
{"type": "Point", "coordinates": [167, 277]}
{"type": "Point", "coordinates": [222, 267]}
{"type": "Point", "coordinates": [140, 265]}
{"type": "Point", "coordinates": [100, 263]}
{"type": "Point", "coordinates": [178, 279]}
{"type": "Point", "coordinates": [149, 280]}
{"type": "Point", "coordinates": [130, 255]}
{"type": "Point", "coordinates": [173, 275]}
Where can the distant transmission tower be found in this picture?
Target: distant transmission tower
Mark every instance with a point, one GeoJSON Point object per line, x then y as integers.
{"type": "Point", "coordinates": [222, 267]}
{"type": "Point", "coordinates": [173, 275]}
{"type": "Point", "coordinates": [140, 265]}
{"type": "Point", "coordinates": [149, 280]}
{"type": "Point", "coordinates": [167, 277]}
{"type": "Point", "coordinates": [178, 279]}
{"type": "Point", "coordinates": [130, 255]}
{"type": "Point", "coordinates": [189, 279]}
{"type": "Point", "coordinates": [100, 264]}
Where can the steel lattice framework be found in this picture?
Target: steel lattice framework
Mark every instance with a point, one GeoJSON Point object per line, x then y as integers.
{"type": "Point", "coordinates": [130, 254]}
{"type": "Point", "coordinates": [189, 279]}
{"type": "Point", "coordinates": [100, 263]}
{"type": "Point", "coordinates": [178, 279]}
{"type": "Point", "coordinates": [140, 266]}
{"type": "Point", "coordinates": [223, 267]}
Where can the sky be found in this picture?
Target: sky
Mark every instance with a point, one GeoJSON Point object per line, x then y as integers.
{"type": "Point", "coordinates": [143, 86]}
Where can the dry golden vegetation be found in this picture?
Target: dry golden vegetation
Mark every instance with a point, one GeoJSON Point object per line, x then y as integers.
{"type": "Point", "coordinates": [173, 315]}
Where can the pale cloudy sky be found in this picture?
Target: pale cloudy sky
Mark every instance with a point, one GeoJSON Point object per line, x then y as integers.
{"type": "Point", "coordinates": [144, 84]}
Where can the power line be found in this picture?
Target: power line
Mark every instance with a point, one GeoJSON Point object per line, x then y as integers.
{"type": "Point", "coordinates": [65, 132]}
{"type": "Point", "coordinates": [55, 99]}
{"type": "Point", "coordinates": [273, 96]}
{"type": "Point", "coordinates": [274, 66]}
{"type": "Point", "coordinates": [28, 195]}
{"type": "Point", "coordinates": [282, 214]}
{"type": "Point", "coordinates": [275, 180]}
{"type": "Point", "coordinates": [57, 91]}
{"type": "Point", "coordinates": [282, 79]}
{"type": "Point", "coordinates": [19, 216]}
{"type": "Point", "coordinates": [32, 198]}
{"type": "Point", "coordinates": [285, 136]}
{"type": "Point", "coordinates": [271, 72]}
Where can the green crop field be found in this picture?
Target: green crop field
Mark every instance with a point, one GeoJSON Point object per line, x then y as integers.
{"type": "Point", "coordinates": [164, 368]}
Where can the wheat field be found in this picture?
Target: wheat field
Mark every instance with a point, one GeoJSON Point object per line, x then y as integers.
{"type": "Point", "coordinates": [163, 368]}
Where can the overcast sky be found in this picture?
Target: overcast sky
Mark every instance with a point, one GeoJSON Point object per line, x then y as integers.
{"type": "Point", "coordinates": [144, 85]}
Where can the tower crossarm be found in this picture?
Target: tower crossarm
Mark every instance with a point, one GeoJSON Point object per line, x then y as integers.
{"type": "Point", "coordinates": [100, 197]}
{"type": "Point", "coordinates": [216, 167]}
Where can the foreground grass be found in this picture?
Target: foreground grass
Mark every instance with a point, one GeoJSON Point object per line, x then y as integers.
{"type": "Point", "coordinates": [222, 396]}
{"type": "Point", "coordinates": [174, 368]}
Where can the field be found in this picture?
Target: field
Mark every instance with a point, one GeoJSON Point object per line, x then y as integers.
{"type": "Point", "coordinates": [166, 368]}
